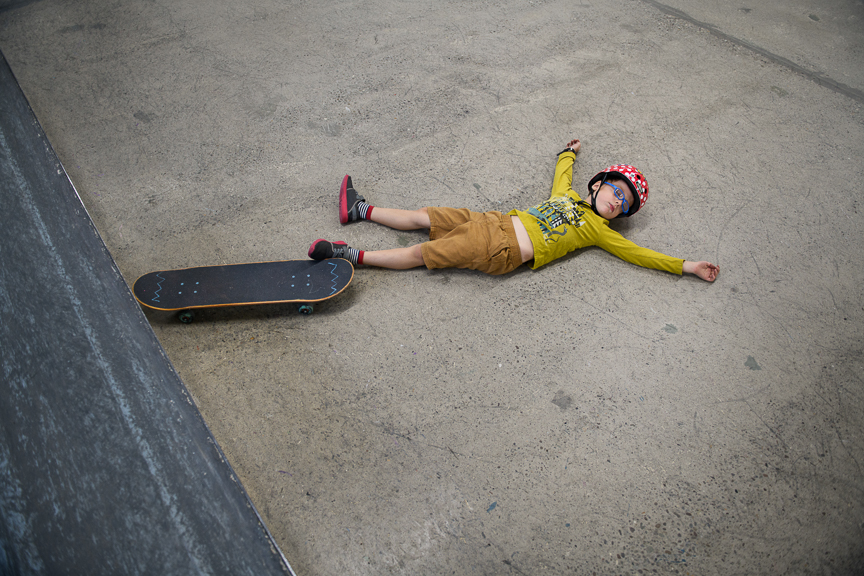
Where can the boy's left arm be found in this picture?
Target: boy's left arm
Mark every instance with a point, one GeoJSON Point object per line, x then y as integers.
{"type": "Point", "coordinates": [625, 249]}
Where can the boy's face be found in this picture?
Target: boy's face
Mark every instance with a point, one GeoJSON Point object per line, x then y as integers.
{"type": "Point", "coordinates": [609, 205]}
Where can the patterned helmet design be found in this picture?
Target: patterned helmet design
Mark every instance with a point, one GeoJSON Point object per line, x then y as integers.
{"type": "Point", "coordinates": [634, 178]}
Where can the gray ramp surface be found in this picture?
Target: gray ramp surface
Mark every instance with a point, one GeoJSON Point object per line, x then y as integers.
{"type": "Point", "coordinates": [106, 466]}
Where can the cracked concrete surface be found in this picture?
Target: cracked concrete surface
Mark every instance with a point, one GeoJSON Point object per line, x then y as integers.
{"type": "Point", "coordinates": [587, 417]}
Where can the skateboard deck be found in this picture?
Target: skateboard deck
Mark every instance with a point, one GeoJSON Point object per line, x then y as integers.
{"type": "Point", "coordinates": [285, 281]}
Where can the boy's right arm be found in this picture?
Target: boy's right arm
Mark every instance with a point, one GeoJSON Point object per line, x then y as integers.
{"type": "Point", "coordinates": [562, 183]}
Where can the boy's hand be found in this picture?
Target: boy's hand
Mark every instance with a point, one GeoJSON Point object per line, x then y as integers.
{"type": "Point", "coordinates": [574, 145]}
{"type": "Point", "coordinates": [704, 270]}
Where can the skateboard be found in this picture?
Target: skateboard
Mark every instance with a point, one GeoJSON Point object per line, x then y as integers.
{"type": "Point", "coordinates": [186, 289]}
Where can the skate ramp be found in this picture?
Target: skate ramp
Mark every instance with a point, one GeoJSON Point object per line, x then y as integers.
{"type": "Point", "coordinates": [106, 465]}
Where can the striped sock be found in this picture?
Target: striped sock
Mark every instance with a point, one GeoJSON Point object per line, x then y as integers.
{"type": "Point", "coordinates": [364, 209]}
{"type": "Point", "coordinates": [354, 256]}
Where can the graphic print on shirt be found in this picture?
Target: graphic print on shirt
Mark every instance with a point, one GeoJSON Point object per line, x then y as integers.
{"type": "Point", "coordinates": [555, 215]}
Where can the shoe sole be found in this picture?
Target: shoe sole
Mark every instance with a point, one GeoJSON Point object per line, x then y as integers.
{"type": "Point", "coordinates": [343, 200]}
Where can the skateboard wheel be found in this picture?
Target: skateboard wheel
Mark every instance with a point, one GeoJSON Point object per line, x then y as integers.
{"type": "Point", "coordinates": [186, 317]}
{"type": "Point", "coordinates": [306, 309]}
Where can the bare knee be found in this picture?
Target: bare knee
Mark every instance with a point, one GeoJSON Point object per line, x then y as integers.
{"type": "Point", "coordinates": [417, 254]}
{"type": "Point", "coordinates": [422, 217]}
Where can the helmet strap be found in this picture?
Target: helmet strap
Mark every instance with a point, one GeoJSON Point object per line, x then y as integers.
{"type": "Point", "coordinates": [593, 196]}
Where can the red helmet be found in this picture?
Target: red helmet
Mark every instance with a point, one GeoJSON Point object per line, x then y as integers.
{"type": "Point", "coordinates": [634, 178]}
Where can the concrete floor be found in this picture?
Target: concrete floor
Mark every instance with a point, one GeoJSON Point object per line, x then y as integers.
{"type": "Point", "coordinates": [587, 417]}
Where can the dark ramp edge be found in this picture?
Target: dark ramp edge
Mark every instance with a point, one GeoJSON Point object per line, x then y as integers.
{"type": "Point", "coordinates": [106, 465]}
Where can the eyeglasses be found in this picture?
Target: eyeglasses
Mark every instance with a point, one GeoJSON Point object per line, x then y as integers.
{"type": "Point", "coordinates": [619, 194]}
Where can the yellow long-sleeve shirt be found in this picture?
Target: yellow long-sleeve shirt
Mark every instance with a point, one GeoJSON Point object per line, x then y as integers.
{"type": "Point", "coordinates": [565, 223]}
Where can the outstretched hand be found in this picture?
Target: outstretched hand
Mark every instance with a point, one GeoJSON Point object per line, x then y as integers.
{"type": "Point", "coordinates": [704, 270]}
{"type": "Point", "coordinates": [574, 145]}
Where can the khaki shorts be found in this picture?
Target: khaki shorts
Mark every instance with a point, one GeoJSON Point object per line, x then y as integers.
{"type": "Point", "coordinates": [460, 238]}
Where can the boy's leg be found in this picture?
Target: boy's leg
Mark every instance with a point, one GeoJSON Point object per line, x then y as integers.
{"type": "Point", "coordinates": [401, 219]}
{"type": "Point", "coordinates": [485, 242]}
{"type": "Point", "coordinates": [395, 259]}
{"type": "Point", "coordinates": [353, 207]}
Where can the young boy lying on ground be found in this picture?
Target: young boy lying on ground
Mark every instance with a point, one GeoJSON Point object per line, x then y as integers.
{"type": "Point", "coordinates": [498, 243]}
